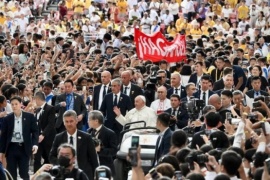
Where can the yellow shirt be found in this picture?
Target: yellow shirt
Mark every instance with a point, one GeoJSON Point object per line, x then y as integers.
{"type": "Point", "coordinates": [2, 20]}
{"type": "Point", "coordinates": [195, 31]}
{"type": "Point", "coordinates": [217, 8]}
{"type": "Point", "coordinates": [232, 3]}
{"type": "Point", "coordinates": [78, 6]}
{"type": "Point", "coordinates": [87, 4]}
{"type": "Point", "coordinates": [178, 23]}
{"type": "Point", "coordinates": [226, 26]}
{"type": "Point", "coordinates": [172, 31]}
{"type": "Point", "coordinates": [243, 12]}
{"type": "Point", "coordinates": [122, 5]}
{"type": "Point", "coordinates": [205, 30]}
{"type": "Point", "coordinates": [105, 24]}
{"type": "Point", "coordinates": [211, 23]}
{"type": "Point", "coordinates": [1, 53]}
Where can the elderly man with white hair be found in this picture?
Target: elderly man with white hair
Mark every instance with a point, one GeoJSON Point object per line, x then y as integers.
{"type": "Point", "coordinates": [140, 113]}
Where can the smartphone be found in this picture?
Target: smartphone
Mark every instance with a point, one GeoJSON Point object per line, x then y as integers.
{"type": "Point", "coordinates": [263, 128]}
{"type": "Point", "coordinates": [178, 175]}
{"type": "Point", "coordinates": [229, 117]}
{"type": "Point", "coordinates": [256, 104]}
{"type": "Point", "coordinates": [135, 141]}
{"type": "Point", "coordinates": [91, 89]}
{"type": "Point", "coordinates": [101, 173]}
{"type": "Point", "coordinates": [133, 156]}
{"type": "Point", "coordinates": [267, 162]}
{"type": "Point", "coordinates": [84, 88]}
{"type": "Point", "coordinates": [244, 102]}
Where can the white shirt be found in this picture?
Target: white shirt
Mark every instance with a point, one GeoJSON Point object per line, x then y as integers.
{"type": "Point", "coordinates": [155, 28]}
{"type": "Point", "coordinates": [174, 8]}
{"type": "Point", "coordinates": [128, 89]}
{"type": "Point", "coordinates": [178, 90]}
{"type": "Point", "coordinates": [154, 5]}
{"type": "Point", "coordinates": [142, 6]}
{"type": "Point", "coordinates": [74, 136]}
{"type": "Point", "coordinates": [118, 97]}
{"type": "Point", "coordinates": [41, 110]}
{"type": "Point", "coordinates": [189, 7]}
{"type": "Point", "coordinates": [144, 114]}
{"type": "Point", "coordinates": [18, 129]}
{"type": "Point", "coordinates": [100, 99]}
{"type": "Point", "coordinates": [50, 101]}
{"type": "Point", "coordinates": [206, 96]}
{"type": "Point", "coordinates": [159, 106]}
{"type": "Point", "coordinates": [167, 18]}
{"type": "Point", "coordinates": [117, 42]}
{"type": "Point", "coordinates": [226, 12]}
{"type": "Point", "coordinates": [133, 13]}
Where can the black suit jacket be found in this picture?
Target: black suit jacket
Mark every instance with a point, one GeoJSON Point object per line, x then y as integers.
{"type": "Point", "coordinates": [124, 104]}
{"type": "Point", "coordinates": [96, 95]}
{"type": "Point", "coordinates": [193, 78]}
{"type": "Point", "coordinates": [79, 108]}
{"type": "Point", "coordinates": [30, 132]}
{"type": "Point", "coordinates": [85, 152]}
{"type": "Point", "coordinates": [218, 85]}
{"type": "Point", "coordinates": [134, 92]}
{"type": "Point", "coordinates": [164, 145]}
{"type": "Point", "coordinates": [109, 144]}
{"type": "Point", "coordinates": [171, 91]}
{"type": "Point", "coordinates": [198, 93]}
{"type": "Point", "coordinates": [46, 124]}
{"type": "Point", "coordinates": [182, 117]}
{"type": "Point", "coordinates": [251, 92]}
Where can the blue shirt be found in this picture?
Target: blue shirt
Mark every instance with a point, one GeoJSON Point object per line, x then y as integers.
{"type": "Point", "coordinates": [237, 73]}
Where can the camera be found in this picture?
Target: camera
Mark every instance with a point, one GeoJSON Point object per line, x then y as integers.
{"type": "Point", "coordinates": [253, 116]}
{"type": "Point", "coordinates": [96, 141]}
{"type": "Point", "coordinates": [101, 173]}
{"type": "Point", "coordinates": [194, 106]}
{"type": "Point", "coordinates": [58, 172]}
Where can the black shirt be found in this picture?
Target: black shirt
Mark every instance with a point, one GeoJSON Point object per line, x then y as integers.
{"type": "Point", "coordinates": [73, 174]}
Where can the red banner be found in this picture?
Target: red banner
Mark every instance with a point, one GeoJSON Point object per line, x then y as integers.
{"type": "Point", "coordinates": [156, 47]}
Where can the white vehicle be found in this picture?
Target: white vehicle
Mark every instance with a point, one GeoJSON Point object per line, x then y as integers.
{"type": "Point", "coordinates": [147, 141]}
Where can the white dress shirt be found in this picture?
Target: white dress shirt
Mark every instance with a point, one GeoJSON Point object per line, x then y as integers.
{"type": "Point", "coordinates": [100, 99]}
{"type": "Point", "coordinates": [17, 136]}
{"type": "Point", "coordinates": [178, 90]}
{"type": "Point", "coordinates": [74, 136]}
{"type": "Point", "coordinates": [144, 114]}
{"type": "Point", "coordinates": [167, 18]}
{"type": "Point", "coordinates": [128, 89]}
{"type": "Point", "coordinates": [160, 106]}
{"type": "Point", "coordinates": [118, 96]}
{"type": "Point", "coordinates": [41, 110]}
{"type": "Point", "coordinates": [206, 96]}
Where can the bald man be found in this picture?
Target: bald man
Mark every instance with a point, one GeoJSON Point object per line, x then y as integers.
{"type": "Point", "coordinates": [176, 88]}
{"type": "Point", "coordinates": [162, 103]}
{"type": "Point", "coordinates": [129, 88]}
{"type": "Point", "coordinates": [215, 100]}
{"type": "Point", "coordinates": [101, 90]}
{"type": "Point", "coordinates": [140, 113]}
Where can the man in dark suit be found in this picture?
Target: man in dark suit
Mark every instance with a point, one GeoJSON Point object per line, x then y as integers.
{"type": "Point", "coordinates": [163, 143]}
{"type": "Point", "coordinates": [204, 93]}
{"type": "Point", "coordinates": [256, 88]}
{"type": "Point", "coordinates": [228, 84]}
{"type": "Point", "coordinates": [162, 78]}
{"type": "Point", "coordinates": [212, 119]}
{"type": "Point", "coordinates": [179, 114]}
{"type": "Point", "coordinates": [45, 115]}
{"type": "Point", "coordinates": [81, 141]}
{"type": "Point", "coordinates": [19, 139]}
{"type": "Point", "coordinates": [190, 89]}
{"type": "Point", "coordinates": [176, 88]}
{"type": "Point", "coordinates": [217, 73]}
{"type": "Point", "coordinates": [101, 90]}
{"type": "Point", "coordinates": [69, 101]}
{"type": "Point", "coordinates": [196, 77]}
{"type": "Point", "coordinates": [111, 100]}
{"type": "Point", "coordinates": [107, 147]}
{"type": "Point", "coordinates": [220, 84]}
{"type": "Point", "coordinates": [128, 88]}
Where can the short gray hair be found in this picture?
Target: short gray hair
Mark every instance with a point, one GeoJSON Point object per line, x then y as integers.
{"type": "Point", "coordinates": [142, 98]}
{"type": "Point", "coordinates": [96, 115]}
{"type": "Point", "coordinates": [237, 92]}
{"type": "Point", "coordinates": [118, 81]}
{"type": "Point", "coordinates": [70, 113]}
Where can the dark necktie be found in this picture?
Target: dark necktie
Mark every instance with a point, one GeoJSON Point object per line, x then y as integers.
{"type": "Point", "coordinates": [38, 110]}
{"type": "Point", "coordinates": [157, 150]}
{"type": "Point", "coordinates": [257, 93]}
{"type": "Point", "coordinates": [176, 91]}
{"type": "Point", "coordinates": [174, 112]}
{"type": "Point", "coordinates": [93, 133]}
{"type": "Point", "coordinates": [115, 100]}
{"type": "Point", "coordinates": [104, 91]}
{"type": "Point", "coordinates": [71, 140]}
{"type": "Point", "coordinates": [125, 90]}
{"type": "Point", "coordinates": [204, 95]}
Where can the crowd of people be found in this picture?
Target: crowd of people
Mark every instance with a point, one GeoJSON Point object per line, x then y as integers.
{"type": "Point", "coordinates": [71, 80]}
